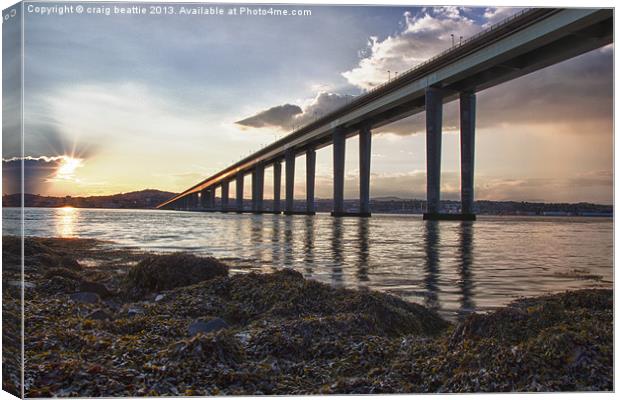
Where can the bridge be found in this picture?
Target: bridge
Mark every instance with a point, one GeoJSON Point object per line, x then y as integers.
{"type": "Point", "coordinates": [525, 42]}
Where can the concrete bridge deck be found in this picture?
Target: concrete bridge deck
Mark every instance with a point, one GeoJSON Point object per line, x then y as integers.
{"type": "Point", "coordinates": [523, 43]}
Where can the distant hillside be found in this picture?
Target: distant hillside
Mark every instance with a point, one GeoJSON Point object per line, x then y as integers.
{"type": "Point", "coordinates": [148, 198]}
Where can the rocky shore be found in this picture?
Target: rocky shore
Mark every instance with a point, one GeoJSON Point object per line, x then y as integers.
{"type": "Point", "coordinates": [102, 321]}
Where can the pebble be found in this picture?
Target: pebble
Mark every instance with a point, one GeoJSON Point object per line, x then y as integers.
{"type": "Point", "coordinates": [28, 285]}
{"type": "Point", "coordinates": [132, 312]}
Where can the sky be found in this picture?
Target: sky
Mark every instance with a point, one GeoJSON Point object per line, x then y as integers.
{"type": "Point", "coordinates": [117, 103]}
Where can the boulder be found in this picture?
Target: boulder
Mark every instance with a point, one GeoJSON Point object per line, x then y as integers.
{"type": "Point", "coordinates": [158, 273]}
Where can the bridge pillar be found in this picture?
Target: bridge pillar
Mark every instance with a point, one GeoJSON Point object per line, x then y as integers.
{"type": "Point", "coordinates": [253, 190]}
{"type": "Point", "coordinates": [310, 178]}
{"type": "Point", "coordinates": [212, 198]}
{"type": "Point", "coordinates": [468, 140]}
{"type": "Point", "coordinates": [194, 200]}
{"type": "Point", "coordinates": [339, 142]}
{"type": "Point", "coordinates": [277, 183]}
{"type": "Point", "coordinates": [225, 187]}
{"type": "Point", "coordinates": [434, 108]}
{"type": "Point", "coordinates": [239, 189]}
{"type": "Point", "coordinates": [365, 138]}
{"type": "Point", "coordinates": [204, 198]}
{"type": "Point", "coordinates": [258, 176]}
{"type": "Point", "coordinates": [290, 181]}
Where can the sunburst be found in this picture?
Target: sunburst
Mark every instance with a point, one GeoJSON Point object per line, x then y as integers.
{"type": "Point", "coordinates": [67, 167]}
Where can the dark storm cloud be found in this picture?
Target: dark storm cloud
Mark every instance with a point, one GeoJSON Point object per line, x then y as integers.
{"type": "Point", "coordinates": [278, 116]}
{"type": "Point", "coordinates": [288, 116]}
{"type": "Point", "coordinates": [37, 174]}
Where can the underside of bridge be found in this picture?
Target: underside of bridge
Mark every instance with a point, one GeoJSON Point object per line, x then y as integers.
{"type": "Point", "coordinates": [520, 45]}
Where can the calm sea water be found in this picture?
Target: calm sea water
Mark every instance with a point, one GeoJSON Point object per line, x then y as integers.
{"type": "Point", "coordinates": [454, 267]}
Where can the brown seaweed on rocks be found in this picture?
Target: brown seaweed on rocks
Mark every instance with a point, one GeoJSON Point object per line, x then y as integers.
{"type": "Point", "coordinates": [163, 272]}
{"type": "Point", "coordinates": [284, 334]}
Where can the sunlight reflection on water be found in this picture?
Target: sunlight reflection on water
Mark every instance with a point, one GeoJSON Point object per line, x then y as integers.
{"type": "Point", "coordinates": [66, 221]}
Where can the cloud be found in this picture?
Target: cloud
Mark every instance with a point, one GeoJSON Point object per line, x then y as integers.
{"type": "Point", "coordinates": [493, 15]}
{"type": "Point", "coordinates": [289, 116]}
{"type": "Point", "coordinates": [577, 93]}
{"type": "Point", "coordinates": [38, 173]}
{"type": "Point", "coordinates": [423, 36]}
{"type": "Point", "coordinates": [279, 116]}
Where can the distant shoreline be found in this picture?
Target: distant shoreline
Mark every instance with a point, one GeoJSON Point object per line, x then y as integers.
{"type": "Point", "coordinates": [149, 199]}
{"type": "Point", "coordinates": [384, 213]}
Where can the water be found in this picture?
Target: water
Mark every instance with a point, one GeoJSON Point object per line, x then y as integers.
{"type": "Point", "coordinates": [453, 267]}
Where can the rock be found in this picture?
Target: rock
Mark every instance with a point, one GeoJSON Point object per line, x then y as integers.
{"type": "Point", "coordinates": [157, 273]}
{"type": "Point", "coordinates": [99, 315]}
{"type": "Point", "coordinates": [213, 325]}
{"type": "Point", "coordinates": [27, 285]}
{"type": "Point", "coordinates": [159, 297]}
{"type": "Point", "coordinates": [133, 311]}
{"type": "Point", "coordinates": [85, 297]}
{"type": "Point", "coordinates": [95, 287]}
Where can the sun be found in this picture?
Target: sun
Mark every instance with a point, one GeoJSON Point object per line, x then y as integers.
{"type": "Point", "coordinates": [67, 167]}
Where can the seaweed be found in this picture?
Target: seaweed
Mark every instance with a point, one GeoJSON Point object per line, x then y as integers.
{"type": "Point", "coordinates": [282, 334]}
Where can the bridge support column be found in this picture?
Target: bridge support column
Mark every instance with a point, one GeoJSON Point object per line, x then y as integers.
{"type": "Point", "coordinates": [290, 181]}
{"type": "Point", "coordinates": [277, 183]}
{"type": "Point", "coordinates": [434, 111]}
{"type": "Point", "coordinates": [258, 176]}
{"type": "Point", "coordinates": [239, 193]}
{"type": "Point", "coordinates": [253, 190]}
{"type": "Point", "coordinates": [194, 200]}
{"type": "Point", "coordinates": [225, 187]}
{"type": "Point", "coordinates": [204, 198]}
{"type": "Point", "coordinates": [212, 200]}
{"type": "Point", "coordinates": [468, 141]}
{"type": "Point", "coordinates": [339, 142]}
{"type": "Point", "coordinates": [310, 178]}
{"type": "Point", "coordinates": [365, 138]}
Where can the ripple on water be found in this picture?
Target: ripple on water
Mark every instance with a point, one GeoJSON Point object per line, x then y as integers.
{"type": "Point", "coordinates": [453, 267]}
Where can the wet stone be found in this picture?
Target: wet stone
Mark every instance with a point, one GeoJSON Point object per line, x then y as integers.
{"type": "Point", "coordinates": [27, 285]}
{"type": "Point", "coordinates": [133, 311]}
{"type": "Point", "coordinates": [213, 325]}
{"type": "Point", "coordinates": [99, 315]}
{"type": "Point", "coordinates": [85, 297]}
